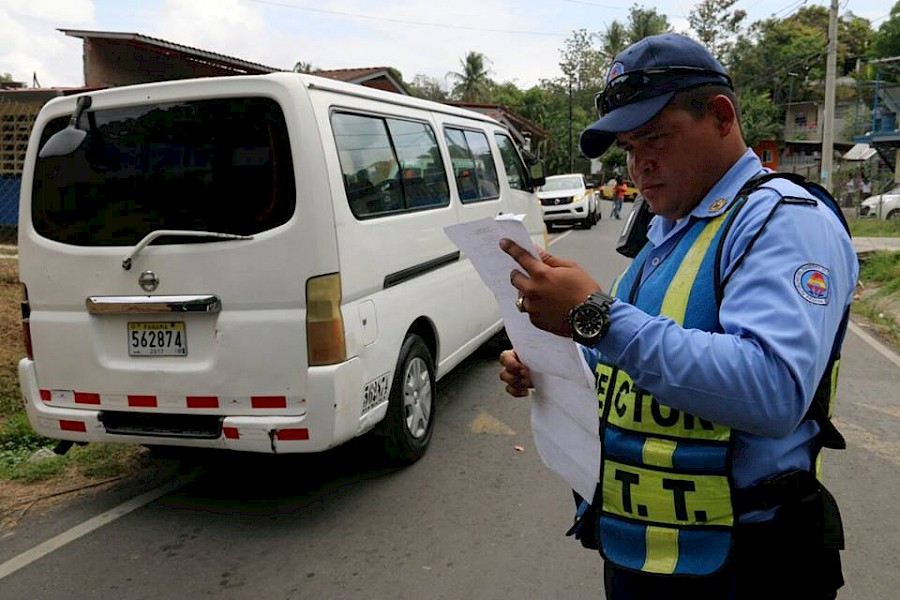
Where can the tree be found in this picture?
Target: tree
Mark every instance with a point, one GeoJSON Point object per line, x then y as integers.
{"type": "Point", "coordinates": [613, 41]}
{"type": "Point", "coordinates": [6, 77]}
{"type": "Point", "coordinates": [303, 67]}
{"type": "Point", "coordinates": [644, 22]}
{"type": "Point", "coordinates": [426, 87]}
{"type": "Point", "coordinates": [760, 118]}
{"type": "Point", "coordinates": [716, 24]}
{"type": "Point", "coordinates": [886, 41]}
{"type": "Point", "coordinates": [473, 83]}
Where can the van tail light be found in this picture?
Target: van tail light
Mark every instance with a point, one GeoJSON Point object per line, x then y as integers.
{"type": "Point", "coordinates": [324, 324]}
{"type": "Point", "coordinates": [26, 327]}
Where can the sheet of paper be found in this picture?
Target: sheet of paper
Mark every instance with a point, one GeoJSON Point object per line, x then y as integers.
{"type": "Point", "coordinates": [564, 418]}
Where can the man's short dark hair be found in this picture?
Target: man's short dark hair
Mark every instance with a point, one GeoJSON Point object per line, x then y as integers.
{"type": "Point", "coordinates": [696, 99]}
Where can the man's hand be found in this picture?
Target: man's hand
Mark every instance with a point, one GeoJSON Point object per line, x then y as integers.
{"type": "Point", "coordinates": [515, 375]}
{"type": "Point", "coordinates": [551, 287]}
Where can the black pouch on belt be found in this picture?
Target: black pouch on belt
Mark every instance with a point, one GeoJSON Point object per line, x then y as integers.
{"type": "Point", "coordinates": [805, 506]}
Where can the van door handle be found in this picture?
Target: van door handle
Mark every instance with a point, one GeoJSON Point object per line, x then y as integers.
{"type": "Point", "coordinates": [121, 305]}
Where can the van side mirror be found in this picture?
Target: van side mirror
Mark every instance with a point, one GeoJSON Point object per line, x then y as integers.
{"type": "Point", "coordinates": [536, 174]}
{"type": "Point", "coordinates": [65, 142]}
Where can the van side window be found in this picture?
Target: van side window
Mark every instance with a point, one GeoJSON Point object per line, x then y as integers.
{"type": "Point", "coordinates": [389, 165]}
{"type": "Point", "coordinates": [473, 164]}
{"type": "Point", "coordinates": [221, 165]}
{"type": "Point", "coordinates": [515, 169]}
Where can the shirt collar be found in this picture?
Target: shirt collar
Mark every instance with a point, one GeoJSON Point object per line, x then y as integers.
{"type": "Point", "coordinates": [722, 195]}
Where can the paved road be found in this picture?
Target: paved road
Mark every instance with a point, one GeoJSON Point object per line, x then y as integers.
{"type": "Point", "coordinates": [478, 518]}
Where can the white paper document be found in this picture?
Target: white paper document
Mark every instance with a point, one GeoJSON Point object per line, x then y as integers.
{"type": "Point", "coordinates": [564, 418]}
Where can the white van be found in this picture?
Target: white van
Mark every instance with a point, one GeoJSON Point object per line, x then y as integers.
{"type": "Point", "coordinates": [255, 263]}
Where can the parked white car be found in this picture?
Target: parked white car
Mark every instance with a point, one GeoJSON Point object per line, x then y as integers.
{"type": "Point", "coordinates": [883, 206]}
{"type": "Point", "coordinates": [566, 199]}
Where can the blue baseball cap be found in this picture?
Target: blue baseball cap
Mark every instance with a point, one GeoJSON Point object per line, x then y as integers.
{"type": "Point", "coordinates": [643, 79]}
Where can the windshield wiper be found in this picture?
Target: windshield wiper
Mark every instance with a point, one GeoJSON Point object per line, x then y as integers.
{"type": "Point", "coordinates": [147, 239]}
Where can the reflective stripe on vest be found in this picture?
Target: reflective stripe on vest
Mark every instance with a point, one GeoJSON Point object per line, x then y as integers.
{"type": "Point", "coordinates": [667, 496]}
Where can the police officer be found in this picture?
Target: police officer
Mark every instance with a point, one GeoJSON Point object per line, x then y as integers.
{"type": "Point", "coordinates": [714, 353]}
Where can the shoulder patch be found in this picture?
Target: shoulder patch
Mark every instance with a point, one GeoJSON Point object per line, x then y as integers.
{"type": "Point", "coordinates": [813, 282]}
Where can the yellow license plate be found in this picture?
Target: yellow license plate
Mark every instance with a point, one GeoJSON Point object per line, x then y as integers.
{"type": "Point", "coordinates": [157, 338]}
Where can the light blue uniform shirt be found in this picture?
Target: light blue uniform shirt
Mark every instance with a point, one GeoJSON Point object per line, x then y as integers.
{"type": "Point", "coordinates": [759, 376]}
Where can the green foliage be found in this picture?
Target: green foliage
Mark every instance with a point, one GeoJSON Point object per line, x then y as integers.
{"type": "Point", "coordinates": [874, 227]}
{"type": "Point", "coordinates": [760, 118]}
{"type": "Point", "coordinates": [644, 22]}
{"type": "Point", "coordinates": [716, 23]}
{"type": "Point", "coordinates": [473, 83]}
{"type": "Point", "coordinates": [429, 88]}
{"type": "Point", "coordinates": [882, 268]}
{"type": "Point", "coordinates": [18, 442]}
{"type": "Point", "coordinates": [886, 41]}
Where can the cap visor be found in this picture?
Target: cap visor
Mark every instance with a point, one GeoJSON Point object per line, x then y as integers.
{"type": "Point", "coordinates": [598, 137]}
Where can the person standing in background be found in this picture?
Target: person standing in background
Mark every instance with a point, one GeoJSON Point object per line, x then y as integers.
{"type": "Point", "coordinates": [619, 191]}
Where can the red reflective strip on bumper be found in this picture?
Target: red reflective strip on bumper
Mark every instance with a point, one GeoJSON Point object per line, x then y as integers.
{"type": "Point", "coordinates": [231, 433]}
{"type": "Point", "coordinates": [86, 398]}
{"type": "Point", "coordinates": [72, 426]}
{"type": "Point", "coordinates": [268, 401]}
{"type": "Point", "coordinates": [292, 434]}
{"type": "Point", "coordinates": [202, 402]}
{"type": "Point", "coordinates": [147, 401]}
{"type": "Point", "coordinates": [45, 395]}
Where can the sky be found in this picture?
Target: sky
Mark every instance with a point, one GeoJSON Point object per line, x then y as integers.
{"type": "Point", "coordinates": [520, 38]}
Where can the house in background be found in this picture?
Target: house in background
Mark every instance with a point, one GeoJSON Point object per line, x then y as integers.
{"type": "Point", "coordinates": [884, 137]}
{"type": "Point", "coordinates": [803, 132]}
{"type": "Point", "coordinates": [113, 58]}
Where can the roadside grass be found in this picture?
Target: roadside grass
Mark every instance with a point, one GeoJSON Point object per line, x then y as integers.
{"type": "Point", "coordinates": [878, 303]}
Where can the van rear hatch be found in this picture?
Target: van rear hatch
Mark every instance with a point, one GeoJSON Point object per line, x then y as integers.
{"type": "Point", "coordinates": [160, 267]}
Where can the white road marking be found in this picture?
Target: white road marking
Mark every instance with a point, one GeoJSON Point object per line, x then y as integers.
{"type": "Point", "coordinates": [878, 346]}
{"type": "Point", "coordinates": [29, 556]}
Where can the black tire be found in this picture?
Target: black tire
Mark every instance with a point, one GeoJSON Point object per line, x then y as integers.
{"type": "Point", "coordinates": [409, 424]}
{"type": "Point", "coordinates": [894, 215]}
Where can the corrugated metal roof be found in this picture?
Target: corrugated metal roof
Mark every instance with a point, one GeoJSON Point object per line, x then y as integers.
{"type": "Point", "coordinates": [860, 152]}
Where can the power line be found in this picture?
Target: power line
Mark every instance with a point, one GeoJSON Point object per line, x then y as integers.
{"type": "Point", "coordinates": [405, 21]}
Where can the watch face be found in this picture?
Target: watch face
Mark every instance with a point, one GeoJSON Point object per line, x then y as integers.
{"type": "Point", "coordinates": [588, 321]}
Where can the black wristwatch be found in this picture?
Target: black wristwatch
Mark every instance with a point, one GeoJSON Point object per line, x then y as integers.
{"type": "Point", "coordinates": [590, 319]}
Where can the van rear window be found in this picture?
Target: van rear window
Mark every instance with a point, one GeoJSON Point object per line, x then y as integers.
{"type": "Point", "coordinates": [221, 165]}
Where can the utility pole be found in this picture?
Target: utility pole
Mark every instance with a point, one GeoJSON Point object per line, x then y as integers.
{"type": "Point", "coordinates": [830, 77]}
{"type": "Point", "coordinates": [571, 148]}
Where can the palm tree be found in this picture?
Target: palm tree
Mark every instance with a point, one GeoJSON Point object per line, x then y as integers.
{"type": "Point", "coordinates": [613, 41]}
{"type": "Point", "coordinates": [473, 83]}
{"type": "Point", "coordinates": [644, 22]}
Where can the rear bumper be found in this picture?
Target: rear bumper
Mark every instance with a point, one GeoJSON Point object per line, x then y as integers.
{"type": "Point", "coordinates": [331, 416]}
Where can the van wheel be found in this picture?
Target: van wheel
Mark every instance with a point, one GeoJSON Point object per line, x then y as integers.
{"type": "Point", "coordinates": [409, 423]}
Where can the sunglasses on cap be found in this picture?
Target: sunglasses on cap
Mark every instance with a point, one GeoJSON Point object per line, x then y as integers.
{"type": "Point", "coordinates": [647, 83]}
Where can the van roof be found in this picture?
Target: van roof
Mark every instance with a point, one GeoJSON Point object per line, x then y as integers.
{"type": "Point", "coordinates": [312, 83]}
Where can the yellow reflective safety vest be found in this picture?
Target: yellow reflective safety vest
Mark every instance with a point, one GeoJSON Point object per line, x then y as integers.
{"type": "Point", "coordinates": [666, 496]}
{"type": "Point", "coordinates": [667, 503]}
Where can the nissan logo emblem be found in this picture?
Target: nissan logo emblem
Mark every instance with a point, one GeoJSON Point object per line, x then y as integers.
{"type": "Point", "coordinates": [148, 281]}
